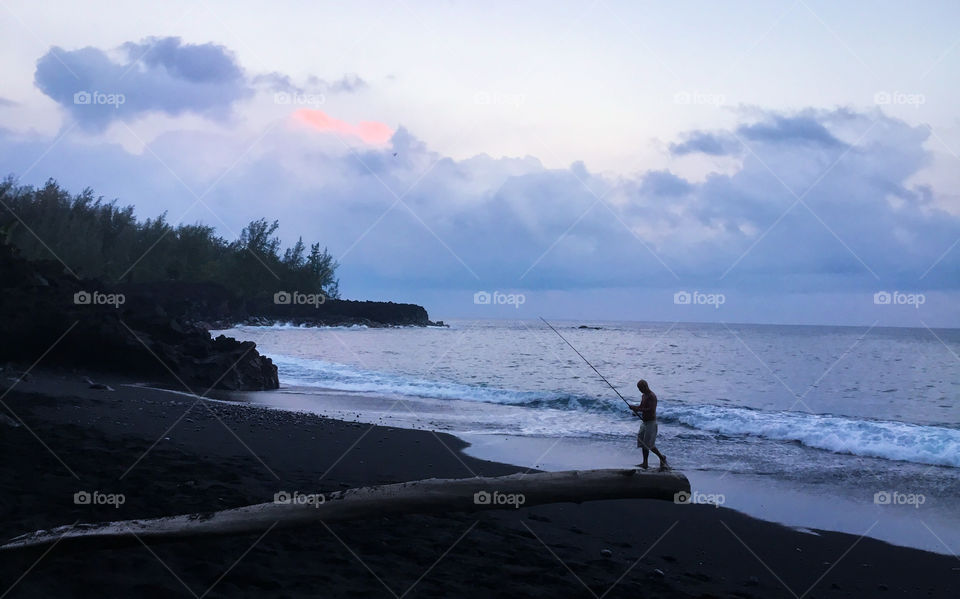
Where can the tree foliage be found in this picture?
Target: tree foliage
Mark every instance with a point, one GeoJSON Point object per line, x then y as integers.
{"type": "Point", "coordinates": [98, 239]}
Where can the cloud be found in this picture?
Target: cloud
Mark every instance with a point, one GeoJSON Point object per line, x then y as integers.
{"type": "Point", "coordinates": [349, 83]}
{"type": "Point", "coordinates": [510, 223]}
{"type": "Point", "coordinates": [279, 82]}
{"type": "Point", "coordinates": [276, 81]}
{"type": "Point", "coordinates": [370, 132]}
{"type": "Point", "coordinates": [790, 129]}
{"type": "Point", "coordinates": [664, 183]}
{"type": "Point", "coordinates": [711, 144]}
{"type": "Point", "coordinates": [157, 75]}
{"type": "Point", "coordinates": [196, 63]}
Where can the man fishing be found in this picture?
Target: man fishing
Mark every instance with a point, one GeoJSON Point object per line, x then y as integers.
{"type": "Point", "coordinates": [647, 436]}
{"type": "Point", "coordinates": [646, 410]}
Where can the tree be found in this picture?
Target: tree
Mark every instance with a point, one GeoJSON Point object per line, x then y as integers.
{"type": "Point", "coordinates": [99, 239]}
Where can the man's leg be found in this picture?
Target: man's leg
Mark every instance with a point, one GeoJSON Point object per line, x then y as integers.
{"type": "Point", "coordinates": [653, 447]}
{"type": "Point", "coordinates": [660, 456]}
{"type": "Point", "coordinates": [643, 446]}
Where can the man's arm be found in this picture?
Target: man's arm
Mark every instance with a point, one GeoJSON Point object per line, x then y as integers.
{"type": "Point", "coordinates": [647, 407]}
{"type": "Point", "coordinates": [641, 408]}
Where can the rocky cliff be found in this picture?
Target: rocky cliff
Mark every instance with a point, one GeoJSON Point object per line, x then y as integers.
{"type": "Point", "coordinates": [86, 323]}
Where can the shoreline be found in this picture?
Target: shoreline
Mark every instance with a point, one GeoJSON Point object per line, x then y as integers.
{"type": "Point", "coordinates": [213, 455]}
{"type": "Point", "coordinates": [837, 507]}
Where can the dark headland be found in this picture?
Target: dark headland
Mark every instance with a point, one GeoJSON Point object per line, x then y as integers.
{"type": "Point", "coordinates": [160, 329]}
{"type": "Point", "coordinates": [85, 284]}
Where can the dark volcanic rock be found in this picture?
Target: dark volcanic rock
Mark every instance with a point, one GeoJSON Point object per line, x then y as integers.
{"type": "Point", "coordinates": [71, 322]}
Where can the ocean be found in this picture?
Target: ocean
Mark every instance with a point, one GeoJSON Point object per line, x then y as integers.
{"type": "Point", "coordinates": [842, 428]}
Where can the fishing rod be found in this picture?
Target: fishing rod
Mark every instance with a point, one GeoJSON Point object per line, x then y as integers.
{"type": "Point", "coordinates": [587, 361]}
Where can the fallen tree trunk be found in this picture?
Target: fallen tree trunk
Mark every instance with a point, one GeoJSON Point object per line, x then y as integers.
{"type": "Point", "coordinates": [416, 497]}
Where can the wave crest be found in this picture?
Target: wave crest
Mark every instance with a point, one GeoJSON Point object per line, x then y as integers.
{"type": "Point", "coordinates": [939, 446]}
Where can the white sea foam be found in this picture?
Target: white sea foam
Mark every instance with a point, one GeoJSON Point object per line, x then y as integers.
{"type": "Point", "coordinates": [286, 326]}
{"type": "Point", "coordinates": [870, 438]}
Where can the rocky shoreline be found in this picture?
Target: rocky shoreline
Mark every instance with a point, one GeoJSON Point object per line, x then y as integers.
{"type": "Point", "coordinates": [73, 322]}
{"type": "Point", "coordinates": [159, 330]}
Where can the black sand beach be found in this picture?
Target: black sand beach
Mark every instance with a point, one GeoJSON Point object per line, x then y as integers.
{"type": "Point", "coordinates": [170, 454]}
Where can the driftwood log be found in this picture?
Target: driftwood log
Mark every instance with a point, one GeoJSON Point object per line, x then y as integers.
{"type": "Point", "coordinates": [415, 497]}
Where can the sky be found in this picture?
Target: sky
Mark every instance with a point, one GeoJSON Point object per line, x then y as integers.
{"type": "Point", "coordinates": [774, 162]}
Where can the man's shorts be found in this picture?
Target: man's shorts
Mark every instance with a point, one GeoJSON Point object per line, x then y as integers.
{"type": "Point", "coordinates": [647, 436]}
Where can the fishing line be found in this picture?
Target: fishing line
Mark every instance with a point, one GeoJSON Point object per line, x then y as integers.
{"type": "Point", "coordinates": [587, 361]}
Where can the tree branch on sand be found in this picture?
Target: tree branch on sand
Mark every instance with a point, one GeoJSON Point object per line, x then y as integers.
{"type": "Point", "coordinates": [415, 497]}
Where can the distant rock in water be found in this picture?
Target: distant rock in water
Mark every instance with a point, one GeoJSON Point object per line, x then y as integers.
{"type": "Point", "coordinates": [583, 326]}
{"type": "Point", "coordinates": [47, 312]}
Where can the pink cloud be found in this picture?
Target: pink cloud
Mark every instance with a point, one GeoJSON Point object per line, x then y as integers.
{"type": "Point", "coordinates": [371, 132]}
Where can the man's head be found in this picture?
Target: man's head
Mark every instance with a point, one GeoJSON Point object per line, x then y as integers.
{"type": "Point", "coordinates": [643, 386]}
